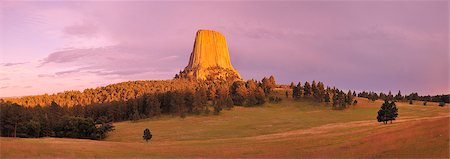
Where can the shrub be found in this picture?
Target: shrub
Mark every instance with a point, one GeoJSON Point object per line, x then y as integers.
{"type": "Point", "coordinates": [355, 102]}
{"type": "Point", "coordinates": [147, 135]}
{"type": "Point", "coordinates": [217, 109]}
{"type": "Point", "coordinates": [274, 99]}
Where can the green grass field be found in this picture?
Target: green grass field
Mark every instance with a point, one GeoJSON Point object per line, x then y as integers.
{"type": "Point", "coordinates": [289, 129]}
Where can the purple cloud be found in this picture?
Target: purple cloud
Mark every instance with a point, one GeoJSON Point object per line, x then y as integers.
{"type": "Point", "coordinates": [118, 60]}
{"type": "Point", "coordinates": [67, 72]}
{"type": "Point", "coordinates": [84, 30]}
{"type": "Point", "coordinates": [13, 64]}
{"type": "Point", "coordinates": [67, 56]}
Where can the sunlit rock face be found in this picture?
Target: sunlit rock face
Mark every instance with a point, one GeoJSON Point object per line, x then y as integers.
{"type": "Point", "coordinates": [209, 58]}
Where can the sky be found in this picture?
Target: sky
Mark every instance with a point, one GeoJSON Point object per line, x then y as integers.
{"type": "Point", "coordinates": [49, 47]}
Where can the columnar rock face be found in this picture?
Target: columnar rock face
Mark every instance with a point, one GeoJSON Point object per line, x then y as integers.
{"type": "Point", "coordinates": [209, 58]}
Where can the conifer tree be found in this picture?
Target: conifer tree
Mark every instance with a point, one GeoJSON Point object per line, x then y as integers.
{"type": "Point", "coordinates": [321, 91]}
{"type": "Point", "coordinates": [147, 135]}
{"type": "Point", "coordinates": [300, 90]}
{"type": "Point", "coordinates": [349, 98]}
{"type": "Point", "coordinates": [399, 96]}
{"type": "Point", "coordinates": [387, 112]}
{"type": "Point", "coordinates": [390, 97]}
{"type": "Point", "coordinates": [335, 101]}
{"type": "Point", "coordinates": [294, 92]}
{"type": "Point", "coordinates": [326, 98]}
{"type": "Point", "coordinates": [307, 89]}
{"type": "Point", "coordinates": [292, 85]}
{"type": "Point", "coordinates": [314, 90]}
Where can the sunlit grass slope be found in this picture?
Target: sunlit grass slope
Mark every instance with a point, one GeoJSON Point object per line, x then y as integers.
{"type": "Point", "coordinates": [271, 118]}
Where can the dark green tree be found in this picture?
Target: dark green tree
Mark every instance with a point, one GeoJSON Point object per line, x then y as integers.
{"type": "Point", "coordinates": [103, 126]}
{"type": "Point", "coordinates": [399, 96]}
{"type": "Point", "coordinates": [153, 106]}
{"type": "Point", "coordinates": [294, 92]}
{"type": "Point", "coordinates": [314, 90]}
{"type": "Point", "coordinates": [387, 112]}
{"type": "Point", "coordinates": [355, 102]}
{"type": "Point", "coordinates": [147, 135]}
{"type": "Point", "coordinates": [300, 91]}
{"type": "Point", "coordinates": [326, 98]}
{"type": "Point", "coordinates": [373, 96]}
{"type": "Point", "coordinates": [335, 101]}
{"type": "Point", "coordinates": [297, 91]}
{"type": "Point", "coordinates": [390, 97]}
{"type": "Point", "coordinates": [307, 89]}
{"type": "Point", "coordinates": [33, 128]}
{"type": "Point", "coordinates": [13, 119]}
{"type": "Point", "coordinates": [178, 105]}
{"type": "Point", "coordinates": [320, 91]}
{"type": "Point", "coordinates": [349, 98]}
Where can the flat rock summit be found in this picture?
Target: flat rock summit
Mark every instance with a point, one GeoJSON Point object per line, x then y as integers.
{"type": "Point", "coordinates": [210, 58]}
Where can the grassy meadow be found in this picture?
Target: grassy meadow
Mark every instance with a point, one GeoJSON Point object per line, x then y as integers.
{"type": "Point", "coordinates": [289, 129]}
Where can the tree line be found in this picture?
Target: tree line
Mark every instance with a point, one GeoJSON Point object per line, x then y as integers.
{"type": "Point", "coordinates": [94, 120]}
{"type": "Point", "coordinates": [52, 120]}
{"type": "Point", "coordinates": [317, 91]}
{"type": "Point", "coordinates": [441, 99]}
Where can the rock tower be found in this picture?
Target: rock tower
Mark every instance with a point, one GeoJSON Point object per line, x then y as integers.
{"type": "Point", "coordinates": [209, 59]}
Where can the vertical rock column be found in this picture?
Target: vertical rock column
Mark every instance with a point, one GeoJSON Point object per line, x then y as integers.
{"type": "Point", "coordinates": [210, 57]}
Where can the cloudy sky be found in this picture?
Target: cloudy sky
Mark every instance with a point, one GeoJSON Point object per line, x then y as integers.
{"type": "Point", "coordinates": [48, 47]}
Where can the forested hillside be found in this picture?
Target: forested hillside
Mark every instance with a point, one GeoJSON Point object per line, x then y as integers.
{"type": "Point", "coordinates": [26, 117]}
{"type": "Point", "coordinates": [114, 92]}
